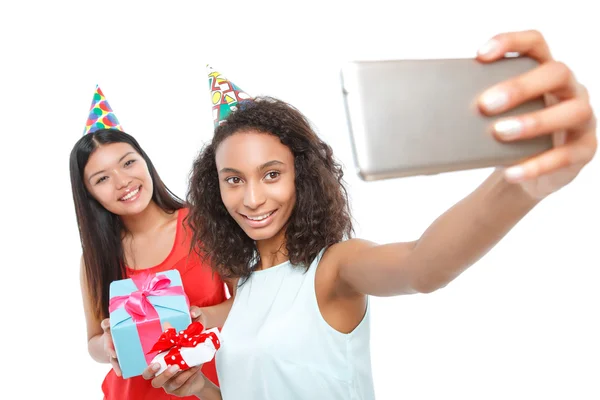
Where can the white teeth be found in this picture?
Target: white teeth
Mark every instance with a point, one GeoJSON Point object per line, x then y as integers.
{"type": "Point", "coordinates": [130, 195]}
{"type": "Point", "coordinates": [260, 217]}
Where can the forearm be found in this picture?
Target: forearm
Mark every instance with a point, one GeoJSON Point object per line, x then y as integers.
{"type": "Point", "coordinates": [215, 316]}
{"type": "Point", "coordinates": [467, 231]}
{"type": "Point", "coordinates": [96, 349]}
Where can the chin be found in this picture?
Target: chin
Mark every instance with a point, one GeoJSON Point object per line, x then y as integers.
{"type": "Point", "coordinates": [260, 234]}
{"type": "Point", "coordinates": [134, 209]}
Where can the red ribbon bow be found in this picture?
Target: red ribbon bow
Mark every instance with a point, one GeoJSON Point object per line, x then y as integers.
{"type": "Point", "coordinates": [190, 337]}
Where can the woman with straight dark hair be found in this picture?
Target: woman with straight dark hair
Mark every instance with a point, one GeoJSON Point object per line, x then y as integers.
{"type": "Point", "coordinates": [130, 222]}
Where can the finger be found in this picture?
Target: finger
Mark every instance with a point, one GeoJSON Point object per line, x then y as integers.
{"type": "Point", "coordinates": [530, 43]}
{"type": "Point", "coordinates": [105, 324]}
{"type": "Point", "coordinates": [110, 351]}
{"type": "Point", "coordinates": [109, 346]}
{"type": "Point", "coordinates": [195, 312]}
{"type": "Point", "coordinates": [150, 372]}
{"type": "Point", "coordinates": [575, 153]}
{"type": "Point", "coordinates": [181, 384]}
{"type": "Point", "coordinates": [571, 114]}
{"type": "Point", "coordinates": [163, 378]}
{"type": "Point", "coordinates": [551, 77]}
{"type": "Point", "coordinates": [183, 390]}
{"type": "Point", "coordinates": [166, 326]}
{"type": "Point", "coordinates": [116, 366]}
{"type": "Point", "coordinates": [583, 92]}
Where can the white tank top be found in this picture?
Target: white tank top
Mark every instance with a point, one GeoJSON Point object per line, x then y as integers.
{"type": "Point", "coordinates": [277, 346]}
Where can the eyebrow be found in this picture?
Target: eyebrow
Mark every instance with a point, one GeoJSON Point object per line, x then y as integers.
{"type": "Point", "coordinates": [260, 168]}
{"type": "Point", "coordinates": [120, 159]}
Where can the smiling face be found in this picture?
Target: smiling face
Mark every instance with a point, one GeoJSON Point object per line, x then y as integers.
{"type": "Point", "coordinates": [257, 182]}
{"type": "Point", "coordinates": [118, 178]}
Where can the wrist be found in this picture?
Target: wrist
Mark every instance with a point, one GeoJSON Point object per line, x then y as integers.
{"type": "Point", "coordinates": [511, 195]}
{"type": "Point", "coordinates": [499, 203]}
{"type": "Point", "coordinates": [208, 391]}
{"type": "Point", "coordinates": [204, 394]}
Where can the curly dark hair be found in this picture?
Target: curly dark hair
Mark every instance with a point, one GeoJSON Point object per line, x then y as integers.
{"type": "Point", "coordinates": [321, 216]}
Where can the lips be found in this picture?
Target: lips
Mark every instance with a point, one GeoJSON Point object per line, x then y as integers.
{"type": "Point", "coordinates": [131, 194]}
{"type": "Point", "coordinates": [259, 220]}
{"type": "Point", "coordinates": [259, 217]}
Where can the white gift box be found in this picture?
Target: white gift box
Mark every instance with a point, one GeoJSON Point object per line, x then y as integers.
{"type": "Point", "coordinates": [203, 352]}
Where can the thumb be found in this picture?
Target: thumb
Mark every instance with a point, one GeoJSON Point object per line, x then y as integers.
{"type": "Point", "coordinates": [166, 326]}
{"type": "Point", "coordinates": [195, 312]}
{"type": "Point", "coordinates": [105, 324]}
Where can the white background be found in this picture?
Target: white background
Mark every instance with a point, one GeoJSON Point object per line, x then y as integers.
{"type": "Point", "coordinates": [521, 324]}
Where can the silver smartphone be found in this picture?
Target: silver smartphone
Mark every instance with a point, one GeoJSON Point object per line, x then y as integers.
{"type": "Point", "coordinates": [419, 117]}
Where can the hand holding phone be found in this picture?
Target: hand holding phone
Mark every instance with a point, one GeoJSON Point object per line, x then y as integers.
{"type": "Point", "coordinates": [417, 117]}
{"type": "Point", "coordinates": [545, 147]}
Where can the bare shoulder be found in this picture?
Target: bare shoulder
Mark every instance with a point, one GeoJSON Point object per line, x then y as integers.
{"type": "Point", "coordinates": [173, 219]}
{"type": "Point", "coordinates": [327, 277]}
{"type": "Point", "coordinates": [347, 249]}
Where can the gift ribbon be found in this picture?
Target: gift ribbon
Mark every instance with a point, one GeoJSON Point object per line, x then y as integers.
{"type": "Point", "coordinates": [174, 342]}
{"type": "Point", "coordinates": [140, 309]}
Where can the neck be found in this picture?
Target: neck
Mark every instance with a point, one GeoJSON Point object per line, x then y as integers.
{"type": "Point", "coordinates": [148, 220]}
{"type": "Point", "coordinates": [272, 251]}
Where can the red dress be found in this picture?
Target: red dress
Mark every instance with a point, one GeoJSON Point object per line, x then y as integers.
{"type": "Point", "coordinates": [203, 288]}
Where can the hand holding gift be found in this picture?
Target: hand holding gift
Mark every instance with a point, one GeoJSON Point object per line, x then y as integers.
{"type": "Point", "coordinates": [139, 306]}
{"type": "Point", "coordinates": [189, 348]}
{"type": "Point", "coordinates": [175, 381]}
{"type": "Point", "coordinates": [109, 346]}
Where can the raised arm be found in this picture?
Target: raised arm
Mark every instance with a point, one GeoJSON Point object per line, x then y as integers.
{"type": "Point", "coordinates": [468, 230]}
{"type": "Point", "coordinates": [456, 240]}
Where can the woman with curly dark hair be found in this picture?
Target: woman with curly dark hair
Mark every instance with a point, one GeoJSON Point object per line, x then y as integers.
{"type": "Point", "coordinates": [269, 207]}
{"type": "Point", "coordinates": [312, 208]}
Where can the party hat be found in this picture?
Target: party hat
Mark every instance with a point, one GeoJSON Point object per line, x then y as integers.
{"type": "Point", "coordinates": [225, 95]}
{"type": "Point", "coordinates": [101, 115]}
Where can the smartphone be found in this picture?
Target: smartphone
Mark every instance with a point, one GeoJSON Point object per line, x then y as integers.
{"type": "Point", "coordinates": [420, 117]}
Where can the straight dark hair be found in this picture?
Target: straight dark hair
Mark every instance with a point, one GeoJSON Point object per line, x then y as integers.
{"type": "Point", "coordinates": [101, 231]}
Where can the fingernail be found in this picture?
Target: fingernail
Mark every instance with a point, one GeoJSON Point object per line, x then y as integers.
{"type": "Point", "coordinates": [155, 367]}
{"type": "Point", "coordinates": [489, 47]}
{"type": "Point", "coordinates": [174, 368]}
{"type": "Point", "coordinates": [494, 99]}
{"type": "Point", "coordinates": [194, 314]}
{"type": "Point", "coordinates": [515, 174]}
{"type": "Point", "coordinates": [509, 128]}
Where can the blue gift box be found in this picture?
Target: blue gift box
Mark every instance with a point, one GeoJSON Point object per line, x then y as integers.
{"type": "Point", "coordinates": [138, 311]}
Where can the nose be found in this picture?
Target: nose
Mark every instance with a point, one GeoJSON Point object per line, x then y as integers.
{"type": "Point", "coordinates": [254, 196]}
{"type": "Point", "coordinates": [122, 180]}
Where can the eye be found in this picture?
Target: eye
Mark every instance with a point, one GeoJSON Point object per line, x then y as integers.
{"type": "Point", "coordinates": [233, 180]}
{"type": "Point", "coordinates": [128, 163]}
{"type": "Point", "coordinates": [272, 175]}
{"type": "Point", "coordinates": [101, 179]}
